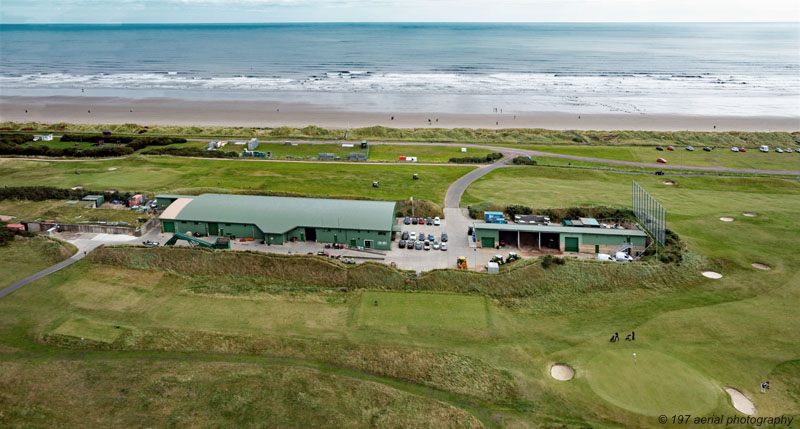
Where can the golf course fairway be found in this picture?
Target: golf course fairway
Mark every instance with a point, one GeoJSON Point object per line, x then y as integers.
{"type": "Point", "coordinates": [653, 384]}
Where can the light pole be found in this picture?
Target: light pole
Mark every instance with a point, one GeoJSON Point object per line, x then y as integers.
{"type": "Point", "coordinates": [412, 206]}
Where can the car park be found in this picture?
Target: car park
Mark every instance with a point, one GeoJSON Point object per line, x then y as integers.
{"type": "Point", "coordinates": [418, 245]}
{"type": "Point", "coordinates": [779, 150]}
{"type": "Point", "coordinates": [401, 244]}
{"type": "Point", "coordinates": [707, 149]}
{"type": "Point", "coordinates": [734, 149]}
{"type": "Point", "coordinates": [444, 246]}
{"type": "Point", "coordinates": [407, 220]}
{"type": "Point", "coordinates": [661, 160]}
{"type": "Point", "coordinates": [427, 245]}
{"type": "Point", "coordinates": [437, 221]}
{"type": "Point", "coordinates": [670, 148]}
{"type": "Point", "coordinates": [412, 236]}
{"type": "Point", "coordinates": [444, 237]}
{"type": "Point", "coordinates": [404, 236]}
{"type": "Point", "coordinates": [659, 148]}
{"type": "Point", "coordinates": [435, 244]}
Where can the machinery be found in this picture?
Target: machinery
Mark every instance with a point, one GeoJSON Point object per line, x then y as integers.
{"type": "Point", "coordinates": [512, 256]}
{"type": "Point", "coordinates": [498, 259]}
{"type": "Point", "coordinates": [461, 263]}
{"type": "Point", "coordinates": [219, 243]}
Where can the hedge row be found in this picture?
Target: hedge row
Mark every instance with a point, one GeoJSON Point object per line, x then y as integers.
{"type": "Point", "coordinates": [41, 193]}
{"type": "Point", "coordinates": [492, 157]}
{"type": "Point", "coordinates": [192, 151]}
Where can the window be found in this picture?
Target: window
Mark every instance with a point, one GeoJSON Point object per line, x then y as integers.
{"type": "Point", "coordinates": [197, 223]}
{"type": "Point", "coordinates": [227, 224]}
{"type": "Point", "coordinates": [381, 233]}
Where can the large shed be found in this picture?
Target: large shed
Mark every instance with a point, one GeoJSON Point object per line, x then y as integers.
{"type": "Point", "coordinates": [277, 220]}
{"type": "Point", "coordinates": [562, 238]}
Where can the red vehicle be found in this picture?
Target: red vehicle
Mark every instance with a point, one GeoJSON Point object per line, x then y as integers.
{"type": "Point", "coordinates": [741, 149]}
{"type": "Point", "coordinates": [662, 160]}
{"type": "Point", "coordinates": [670, 148]}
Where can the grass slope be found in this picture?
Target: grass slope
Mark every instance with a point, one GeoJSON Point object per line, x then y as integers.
{"type": "Point", "coordinates": [26, 256]}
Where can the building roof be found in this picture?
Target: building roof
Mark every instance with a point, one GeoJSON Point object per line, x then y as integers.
{"type": "Point", "coordinates": [174, 196]}
{"type": "Point", "coordinates": [92, 197]}
{"type": "Point", "coordinates": [559, 229]}
{"type": "Point", "coordinates": [175, 208]}
{"type": "Point", "coordinates": [281, 214]}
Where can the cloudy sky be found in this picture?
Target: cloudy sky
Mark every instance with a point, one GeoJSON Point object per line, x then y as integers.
{"type": "Point", "coordinates": [155, 11]}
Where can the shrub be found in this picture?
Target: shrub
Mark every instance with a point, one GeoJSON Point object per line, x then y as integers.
{"type": "Point", "coordinates": [523, 160]}
{"type": "Point", "coordinates": [192, 151]}
{"type": "Point", "coordinates": [517, 210]}
{"type": "Point", "coordinates": [489, 158]}
{"type": "Point", "coordinates": [41, 193]}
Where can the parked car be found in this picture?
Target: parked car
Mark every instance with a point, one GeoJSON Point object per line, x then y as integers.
{"type": "Point", "coordinates": [407, 220]}
{"type": "Point", "coordinates": [469, 230]}
{"type": "Point", "coordinates": [418, 245]}
{"type": "Point", "coordinates": [707, 149]}
{"type": "Point", "coordinates": [661, 160]}
{"type": "Point", "coordinates": [401, 244]}
{"type": "Point", "coordinates": [444, 246]}
{"type": "Point", "coordinates": [444, 237]}
{"type": "Point", "coordinates": [788, 150]}
{"type": "Point", "coordinates": [435, 245]}
{"type": "Point", "coordinates": [779, 150]}
{"type": "Point", "coordinates": [422, 221]}
{"type": "Point", "coordinates": [659, 148]}
{"type": "Point", "coordinates": [764, 148]}
{"type": "Point", "coordinates": [150, 243]}
{"type": "Point", "coordinates": [427, 245]}
{"type": "Point", "coordinates": [410, 245]}
{"type": "Point", "coordinates": [437, 221]}
{"type": "Point", "coordinates": [421, 236]}
{"type": "Point", "coordinates": [690, 148]}
{"type": "Point", "coordinates": [623, 257]}
{"type": "Point", "coordinates": [414, 221]}
{"type": "Point", "coordinates": [741, 149]}
{"type": "Point", "coordinates": [670, 148]}
{"type": "Point", "coordinates": [734, 149]}
{"type": "Point", "coordinates": [412, 236]}
{"type": "Point", "coordinates": [430, 237]}
{"type": "Point", "coordinates": [405, 235]}
{"type": "Point", "coordinates": [429, 221]}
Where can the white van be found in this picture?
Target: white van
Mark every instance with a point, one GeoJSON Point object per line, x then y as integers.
{"type": "Point", "coordinates": [623, 257]}
{"type": "Point", "coordinates": [764, 148]}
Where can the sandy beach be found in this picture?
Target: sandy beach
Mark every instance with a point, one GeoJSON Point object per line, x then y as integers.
{"type": "Point", "coordinates": [269, 113]}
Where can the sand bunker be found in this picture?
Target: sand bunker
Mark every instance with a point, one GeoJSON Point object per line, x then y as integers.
{"type": "Point", "coordinates": [112, 168]}
{"type": "Point", "coordinates": [761, 266]}
{"type": "Point", "coordinates": [749, 214]}
{"type": "Point", "coordinates": [726, 219]}
{"type": "Point", "coordinates": [561, 372]}
{"type": "Point", "coordinates": [712, 274]}
{"type": "Point", "coordinates": [670, 182]}
{"type": "Point", "coordinates": [740, 402]}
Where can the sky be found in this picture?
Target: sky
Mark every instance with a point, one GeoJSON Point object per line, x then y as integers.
{"type": "Point", "coordinates": [230, 11]}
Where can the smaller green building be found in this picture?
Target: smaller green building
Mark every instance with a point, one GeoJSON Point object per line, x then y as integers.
{"type": "Point", "coordinates": [562, 238]}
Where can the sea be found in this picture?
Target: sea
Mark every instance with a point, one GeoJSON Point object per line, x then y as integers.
{"type": "Point", "coordinates": [737, 69]}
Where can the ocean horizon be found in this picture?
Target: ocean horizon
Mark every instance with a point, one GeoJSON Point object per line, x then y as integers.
{"type": "Point", "coordinates": [734, 69]}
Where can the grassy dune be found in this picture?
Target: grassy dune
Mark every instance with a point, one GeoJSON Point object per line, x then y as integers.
{"type": "Point", "coordinates": [26, 256]}
{"type": "Point", "coordinates": [58, 211]}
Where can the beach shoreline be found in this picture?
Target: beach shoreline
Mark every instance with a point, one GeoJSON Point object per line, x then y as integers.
{"type": "Point", "coordinates": [274, 113]}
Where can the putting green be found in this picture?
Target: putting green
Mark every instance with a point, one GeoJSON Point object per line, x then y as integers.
{"type": "Point", "coordinates": [653, 385]}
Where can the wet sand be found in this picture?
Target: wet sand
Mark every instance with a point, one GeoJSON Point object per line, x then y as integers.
{"type": "Point", "coordinates": [171, 111]}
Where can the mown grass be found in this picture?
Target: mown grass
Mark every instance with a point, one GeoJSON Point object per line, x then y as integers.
{"type": "Point", "coordinates": [26, 256]}
{"type": "Point", "coordinates": [428, 153]}
{"type": "Point", "coordinates": [721, 157]}
{"type": "Point", "coordinates": [169, 174]}
{"type": "Point", "coordinates": [59, 211]}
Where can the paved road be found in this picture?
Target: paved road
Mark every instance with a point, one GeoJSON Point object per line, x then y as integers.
{"type": "Point", "coordinates": [509, 152]}
{"type": "Point", "coordinates": [84, 247]}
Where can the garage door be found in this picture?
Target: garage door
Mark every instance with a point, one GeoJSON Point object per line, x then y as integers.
{"type": "Point", "coordinates": [487, 241]}
{"type": "Point", "coordinates": [571, 244]}
{"type": "Point", "coordinates": [169, 226]}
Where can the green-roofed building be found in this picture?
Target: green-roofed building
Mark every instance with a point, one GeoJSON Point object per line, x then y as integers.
{"type": "Point", "coordinates": [583, 239]}
{"type": "Point", "coordinates": [277, 220]}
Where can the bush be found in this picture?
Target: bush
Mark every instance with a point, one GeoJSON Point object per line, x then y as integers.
{"type": "Point", "coordinates": [41, 193]}
{"type": "Point", "coordinates": [65, 152]}
{"type": "Point", "coordinates": [489, 158]}
{"type": "Point", "coordinates": [14, 139]}
{"type": "Point", "coordinates": [517, 210]}
{"type": "Point", "coordinates": [192, 151]}
{"type": "Point", "coordinates": [134, 143]}
{"type": "Point", "coordinates": [7, 234]}
{"type": "Point", "coordinates": [549, 260]}
{"type": "Point", "coordinates": [523, 160]}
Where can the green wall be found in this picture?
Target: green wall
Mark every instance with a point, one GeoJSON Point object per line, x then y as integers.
{"type": "Point", "coordinates": [380, 240]}
{"type": "Point", "coordinates": [583, 238]}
